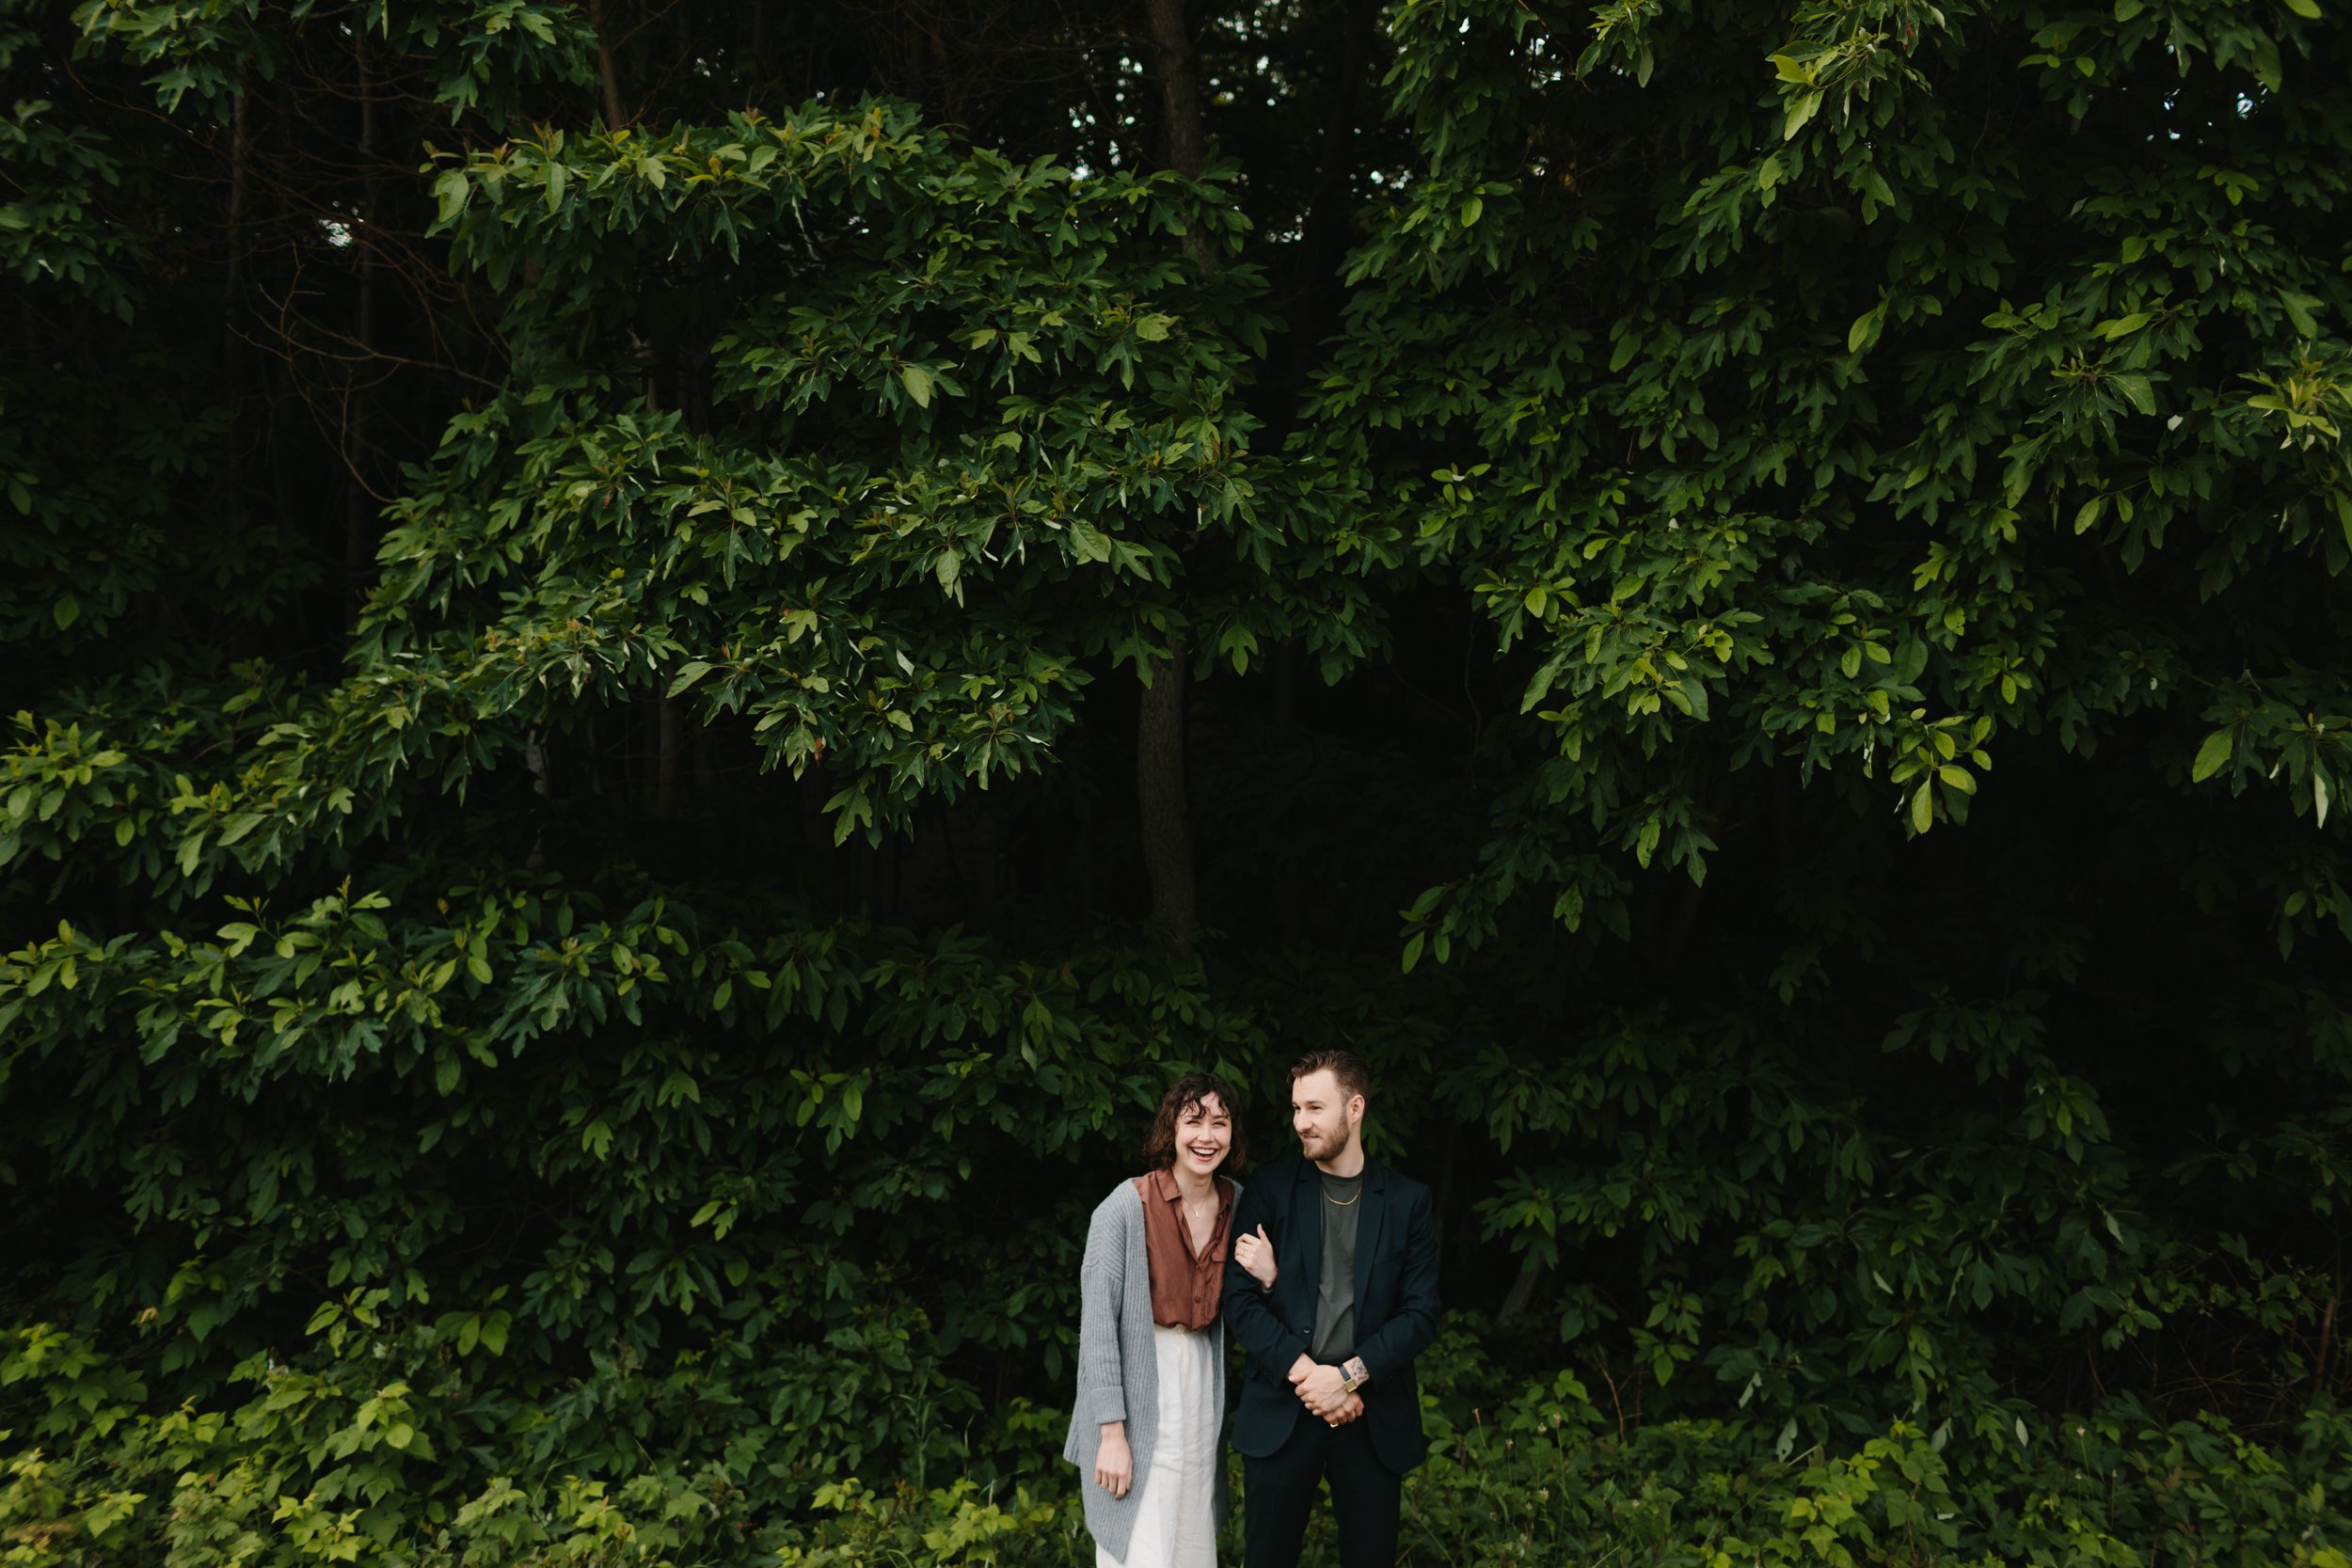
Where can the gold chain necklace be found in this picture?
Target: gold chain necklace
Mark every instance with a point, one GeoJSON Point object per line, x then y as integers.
{"type": "Point", "coordinates": [1336, 1203]}
{"type": "Point", "coordinates": [1203, 1213]}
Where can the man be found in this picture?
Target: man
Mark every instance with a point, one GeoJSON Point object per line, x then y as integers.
{"type": "Point", "coordinates": [1329, 1390]}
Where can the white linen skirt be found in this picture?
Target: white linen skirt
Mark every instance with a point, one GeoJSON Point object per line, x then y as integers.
{"type": "Point", "coordinates": [1176, 1515]}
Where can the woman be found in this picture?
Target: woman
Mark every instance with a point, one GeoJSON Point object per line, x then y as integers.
{"type": "Point", "coordinates": [1151, 1346]}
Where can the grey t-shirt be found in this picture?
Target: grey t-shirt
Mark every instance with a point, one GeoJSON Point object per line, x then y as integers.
{"type": "Point", "coordinates": [1335, 1293]}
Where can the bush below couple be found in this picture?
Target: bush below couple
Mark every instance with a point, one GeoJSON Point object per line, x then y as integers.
{"type": "Point", "coordinates": [1324, 1269]}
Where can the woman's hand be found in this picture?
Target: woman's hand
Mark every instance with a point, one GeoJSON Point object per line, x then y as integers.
{"type": "Point", "coordinates": [1255, 1253]}
{"type": "Point", "coordinates": [1114, 1466]}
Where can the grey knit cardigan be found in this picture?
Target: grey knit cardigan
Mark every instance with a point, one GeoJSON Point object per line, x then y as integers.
{"type": "Point", "coordinates": [1119, 1377]}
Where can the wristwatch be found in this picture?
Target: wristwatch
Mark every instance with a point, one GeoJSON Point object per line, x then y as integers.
{"type": "Point", "coordinates": [1353, 1375]}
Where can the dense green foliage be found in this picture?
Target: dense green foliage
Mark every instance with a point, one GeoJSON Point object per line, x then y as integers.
{"type": "Point", "coordinates": [1753, 599]}
{"type": "Point", "coordinates": [1541, 1476]}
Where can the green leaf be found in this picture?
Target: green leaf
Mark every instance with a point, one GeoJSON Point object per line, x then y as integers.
{"type": "Point", "coordinates": [2306, 10]}
{"type": "Point", "coordinates": [2136, 388]}
{"type": "Point", "coordinates": [1800, 111]}
{"type": "Point", "coordinates": [1471, 210]}
{"type": "Point", "coordinates": [2298, 309]}
{"type": "Point", "coordinates": [918, 384]}
{"type": "Point", "coordinates": [1922, 808]}
{"type": "Point", "coordinates": [67, 610]}
{"type": "Point", "coordinates": [452, 190]}
{"type": "Point", "coordinates": [691, 672]}
{"type": "Point", "coordinates": [2212, 755]}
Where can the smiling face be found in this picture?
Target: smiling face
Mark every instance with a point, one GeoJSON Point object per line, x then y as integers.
{"type": "Point", "coordinates": [1324, 1118]}
{"type": "Point", "coordinates": [1204, 1134]}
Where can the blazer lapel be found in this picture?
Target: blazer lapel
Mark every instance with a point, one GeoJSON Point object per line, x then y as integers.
{"type": "Point", "coordinates": [1376, 1201]}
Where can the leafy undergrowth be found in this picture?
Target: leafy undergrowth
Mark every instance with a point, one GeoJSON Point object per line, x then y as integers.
{"type": "Point", "coordinates": [338, 1466]}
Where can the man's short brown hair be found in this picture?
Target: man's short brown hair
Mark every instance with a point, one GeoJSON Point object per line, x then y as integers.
{"type": "Point", "coordinates": [1159, 1145]}
{"type": "Point", "coordinates": [1345, 1066]}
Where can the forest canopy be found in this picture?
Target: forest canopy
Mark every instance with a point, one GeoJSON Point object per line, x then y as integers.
{"type": "Point", "coordinates": [664, 659]}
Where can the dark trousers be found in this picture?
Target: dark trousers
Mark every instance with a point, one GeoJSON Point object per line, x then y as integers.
{"type": "Point", "coordinates": [1367, 1498]}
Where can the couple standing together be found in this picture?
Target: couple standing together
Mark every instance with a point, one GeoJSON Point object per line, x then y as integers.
{"type": "Point", "coordinates": [1325, 1270]}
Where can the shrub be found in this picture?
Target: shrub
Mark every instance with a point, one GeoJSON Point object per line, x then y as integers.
{"type": "Point", "coordinates": [325, 1465]}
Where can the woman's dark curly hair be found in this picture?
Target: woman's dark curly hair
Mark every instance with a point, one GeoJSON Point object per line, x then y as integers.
{"type": "Point", "coordinates": [1159, 1145]}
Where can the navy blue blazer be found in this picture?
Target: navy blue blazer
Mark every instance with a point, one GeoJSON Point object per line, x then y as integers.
{"type": "Point", "coordinates": [1396, 1304]}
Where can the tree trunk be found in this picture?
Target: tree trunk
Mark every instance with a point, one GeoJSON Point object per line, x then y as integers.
{"type": "Point", "coordinates": [358, 509]}
{"type": "Point", "coordinates": [228, 478]}
{"type": "Point", "coordinates": [1180, 88]}
{"type": "Point", "coordinates": [668, 743]}
{"type": "Point", "coordinates": [237, 154]}
{"type": "Point", "coordinates": [1160, 796]}
{"type": "Point", "coordinates": [606, 70]}
{"type": "Point", "coordinates": [1522, 1293]}
{"type": "Point", "coordinates": [1160, 728]}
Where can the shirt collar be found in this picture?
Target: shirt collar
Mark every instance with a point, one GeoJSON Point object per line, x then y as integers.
{"type": "Point", "coordinates": [1164, 1188]}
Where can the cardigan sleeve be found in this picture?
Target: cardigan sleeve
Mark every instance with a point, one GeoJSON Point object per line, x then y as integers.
{"type": "Point", "coordinates": [1102, 1286]}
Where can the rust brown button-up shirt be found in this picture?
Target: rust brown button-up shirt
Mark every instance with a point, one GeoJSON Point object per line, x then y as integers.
{"type": "Point", "coordinates": [1185, 1286]}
